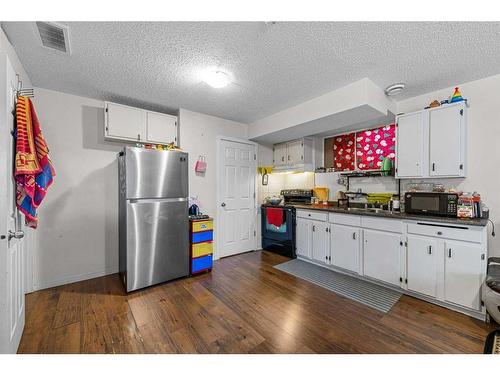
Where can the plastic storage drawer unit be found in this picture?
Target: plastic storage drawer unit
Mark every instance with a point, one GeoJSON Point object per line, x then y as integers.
{"type": "Point", "coordinates": [200, 237]}
{"type": "Point", "coordinates": [201, 264]}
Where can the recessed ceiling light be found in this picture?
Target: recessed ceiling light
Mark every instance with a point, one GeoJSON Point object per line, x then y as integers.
{"type": "Point", "coordinates": [394, 89]}
{"type": "Point", "coordinates": [217, 79]}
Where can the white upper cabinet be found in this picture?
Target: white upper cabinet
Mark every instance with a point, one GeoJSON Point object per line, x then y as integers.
{"type": "Point", "coordinates": [411, 148]}
{"type": "Point", "coordinates": [133, 124]}
{"type": "Point", "coordinates": [432, 142]}
{"type": "Point", "coordinates": [161, 128]}
{"type": "Point", "coordinates": [280, 154]}
{"type": "Point", "coordinates": [293, 155]}
{"type": "Point", "coordinates": [295, 152]}
{"type": "Point", "coordinates": [127, 123]}
{"type": "Point", "coordinates": [447, 141]}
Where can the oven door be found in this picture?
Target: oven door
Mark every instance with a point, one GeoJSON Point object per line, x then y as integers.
{"type": "Point", "coordinates": [280, 239]}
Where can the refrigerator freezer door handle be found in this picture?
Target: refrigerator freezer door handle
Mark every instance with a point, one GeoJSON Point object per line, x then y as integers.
{"type": "Point", "coordinates": [153, 200]}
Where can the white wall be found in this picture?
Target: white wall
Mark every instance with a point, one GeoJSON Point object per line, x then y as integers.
{"type": "Point", "coordinates": [483, 142]}
{"type": "Point", "coordinates": [198, 134]}
{"type": "Point", "coordinates": [77, 236]}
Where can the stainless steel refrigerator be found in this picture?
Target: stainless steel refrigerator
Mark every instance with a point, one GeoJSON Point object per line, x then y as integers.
{"type": "Point", "coordinates": [153, 216]}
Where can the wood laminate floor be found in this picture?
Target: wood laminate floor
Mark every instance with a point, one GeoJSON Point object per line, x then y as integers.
{"type": "Point", "coordinates": [243, 306]}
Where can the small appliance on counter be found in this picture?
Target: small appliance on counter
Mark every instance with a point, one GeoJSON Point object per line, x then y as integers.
{"type": "Point", "coordinates": [322, 194]}
{"type": "Point", "coordinates": [431, 203]}
{"type": "Point", "coordinates": [201, 235]}
{"type": "Point", "coordinates": [300, 196]}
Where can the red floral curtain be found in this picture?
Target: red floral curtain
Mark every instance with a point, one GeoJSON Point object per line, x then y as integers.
{"type": "Point", "coordinates": [373, 146]}
{"type": "Point", "coordinates": [366, 149]}
{"type": "Point", "coordinates": [343, 152]}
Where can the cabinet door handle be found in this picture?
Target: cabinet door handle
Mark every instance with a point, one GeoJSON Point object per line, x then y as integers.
{"type": "Point", "coordinates": [288, 157]}
{"type": "Point", "coordinates": [430, 249]}
{"type": "Point", "coordinates": [282, 158]}
{"type": "Point", "coordinates": [138, 137]}
{"type": "Point", "coordinates": [354, 235]}
{"type": "Point", "coordinates": [449, 253]}
{"type": "Point", "coordinates": [433, 166]}
{"type": "Point", "coordinates": [314, 228]}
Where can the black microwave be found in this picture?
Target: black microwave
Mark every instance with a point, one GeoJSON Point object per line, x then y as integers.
{"type": "Point", "coordinates": [431, 203]}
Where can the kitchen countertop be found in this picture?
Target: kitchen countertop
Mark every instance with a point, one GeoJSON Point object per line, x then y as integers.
{"type": "Point", "coordinates": [388, 214]}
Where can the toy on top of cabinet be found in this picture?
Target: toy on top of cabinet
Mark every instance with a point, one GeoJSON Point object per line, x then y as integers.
{"type": "Point", "coordinates": [455, 98]}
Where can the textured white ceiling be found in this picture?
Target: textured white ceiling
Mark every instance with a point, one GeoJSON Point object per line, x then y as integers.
{"type": "Point", "coordinates": [273, 66]}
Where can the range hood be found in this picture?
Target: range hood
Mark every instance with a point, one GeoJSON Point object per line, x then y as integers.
{"type": "Point", "coordinates": [296, 168]}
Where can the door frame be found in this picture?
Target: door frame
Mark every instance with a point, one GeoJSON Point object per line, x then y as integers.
{"type": "Point", "coordinates": [219, 140]}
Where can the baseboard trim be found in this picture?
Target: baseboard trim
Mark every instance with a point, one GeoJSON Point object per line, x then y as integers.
{"type": "Point", "coordinates": [75, 278]}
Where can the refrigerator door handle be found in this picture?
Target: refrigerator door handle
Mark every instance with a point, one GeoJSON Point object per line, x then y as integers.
{"type": "Point", "coordinates": [154, 200]}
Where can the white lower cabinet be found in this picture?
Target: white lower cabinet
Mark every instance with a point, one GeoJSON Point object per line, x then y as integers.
{"type": "Point", "coordinates": [422, 265]}
{"type": "Point", "coordinates": [304, 237]}
{"type": "Point", "coordinates": [344, 247]}
{"type": "Point", "coordinates": [382, 255]}
{"type": "Point", "coordinates": [441, 263]}
{"type": "Point", "coordinates": [463, 273]}
{"type": "Point", "coordinates": [320, 241]}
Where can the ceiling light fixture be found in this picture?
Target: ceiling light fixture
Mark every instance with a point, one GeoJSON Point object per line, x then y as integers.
{"type": "Point", "coordinates": [217, 79]}
{"type": "Point", "coordinates": [394, 89]}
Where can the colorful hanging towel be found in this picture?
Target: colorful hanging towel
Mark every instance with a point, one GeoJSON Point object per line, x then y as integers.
{"type": "Point", "coordinates": [34, 172]}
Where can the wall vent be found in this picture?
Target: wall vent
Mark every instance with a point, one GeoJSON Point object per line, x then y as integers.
{"type": "Point", "coordinates": [53, 36]}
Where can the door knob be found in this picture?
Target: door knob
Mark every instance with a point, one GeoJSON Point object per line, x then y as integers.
{"type": "Point", "coordinates": [223, 204]}
{"type": "Point", "coordinates": [18, 234]}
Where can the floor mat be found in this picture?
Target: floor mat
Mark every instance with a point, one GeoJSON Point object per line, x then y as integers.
{"type": "Point", "coordinates": [358, 290]}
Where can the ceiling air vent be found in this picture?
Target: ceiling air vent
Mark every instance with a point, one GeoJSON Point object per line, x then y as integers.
{"type": "Point", "coordinates": [53, 36]}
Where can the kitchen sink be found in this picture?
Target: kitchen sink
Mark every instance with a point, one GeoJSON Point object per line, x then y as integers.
{"type": "Point", "coordinates": [368, 209]}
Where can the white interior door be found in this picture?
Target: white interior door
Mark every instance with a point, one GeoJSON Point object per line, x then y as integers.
{"type": "Point", "coordinates": [12, 258]}
{"type": "Point", "coordinates": [236, 193]}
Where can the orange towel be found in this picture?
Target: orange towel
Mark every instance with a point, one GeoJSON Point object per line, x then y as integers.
{"type": "Point", "coordinates": [34, 172]}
